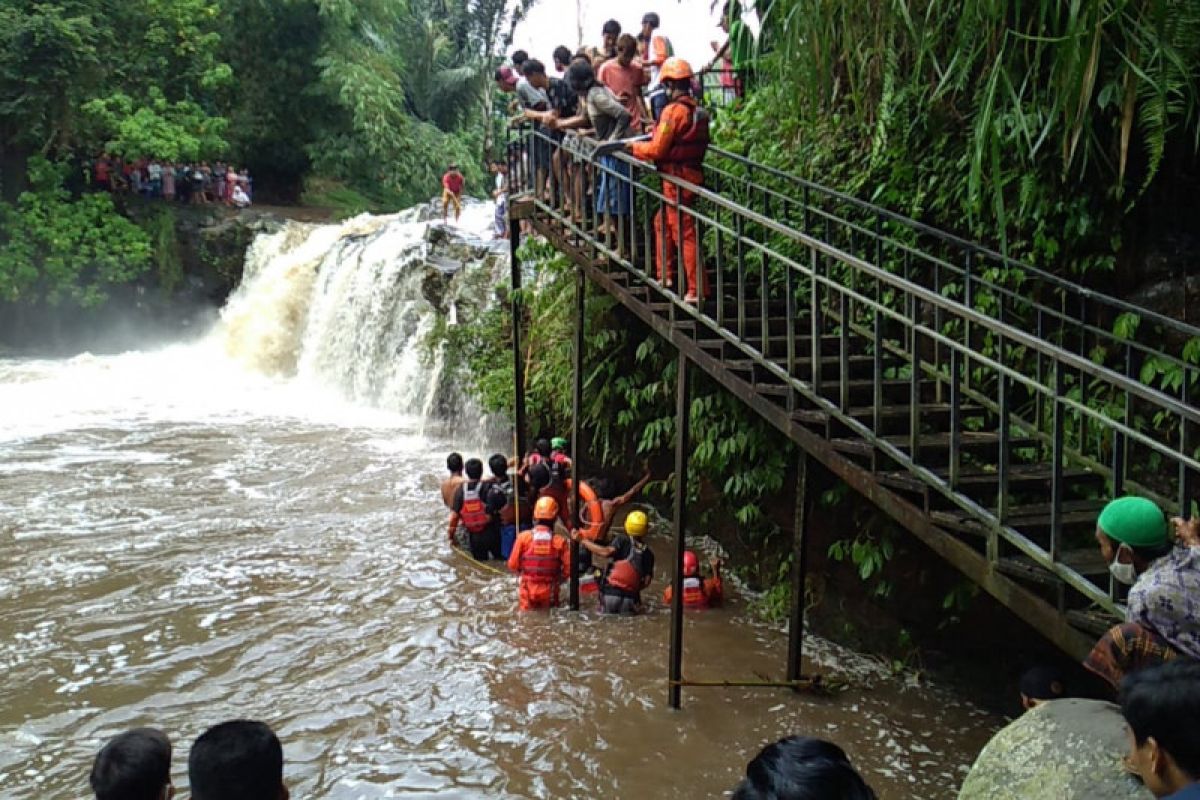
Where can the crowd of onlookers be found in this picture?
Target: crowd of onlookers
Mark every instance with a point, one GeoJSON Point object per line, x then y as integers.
{"type": "Point", "coordinates": [191, 183]}
{"type": "Point", "coordinates": [1159, 711]}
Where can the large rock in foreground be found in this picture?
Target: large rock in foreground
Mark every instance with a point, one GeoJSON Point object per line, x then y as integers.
{"type": "Point", "coordinates": [1060, 750]}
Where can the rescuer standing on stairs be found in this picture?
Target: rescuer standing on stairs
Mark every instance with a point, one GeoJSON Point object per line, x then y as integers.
{"type": "Point", "coordinates": [677, 148]}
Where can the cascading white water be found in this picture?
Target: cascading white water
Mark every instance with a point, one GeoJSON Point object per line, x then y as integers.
{"type": "Point", "coordinates": [349, 307]}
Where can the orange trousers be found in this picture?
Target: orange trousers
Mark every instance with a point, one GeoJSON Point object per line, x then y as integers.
{"type": "Point", "coordinates": [536, 594]}
{"type": "Point", "coordinates": [671, 225]}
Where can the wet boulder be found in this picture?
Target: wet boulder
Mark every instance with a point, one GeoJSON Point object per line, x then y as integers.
{"type": "Point", "coordinates": [1061, 750]}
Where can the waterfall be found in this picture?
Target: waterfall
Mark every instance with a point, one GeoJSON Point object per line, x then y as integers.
{"type": "Point", "coordinates": [351, 306]}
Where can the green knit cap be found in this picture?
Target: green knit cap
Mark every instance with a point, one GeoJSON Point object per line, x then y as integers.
{"type": "Point", "coordinates": [1134, 521]}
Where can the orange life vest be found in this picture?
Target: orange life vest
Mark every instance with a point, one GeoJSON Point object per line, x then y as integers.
{"type": "Point", "coordinates": [627, 573]}
{"type": "Point", "coordinates": [693, 593]}
{"type": "Point", "coordinates": [474, 515]}
{"type": "Point", "coordinates": [540, 561]}
{"type": "Point", "coordinates": [689, 145]}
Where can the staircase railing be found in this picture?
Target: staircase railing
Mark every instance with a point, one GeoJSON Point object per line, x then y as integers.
{"type": "Point", "coordinates": [1007, 398]}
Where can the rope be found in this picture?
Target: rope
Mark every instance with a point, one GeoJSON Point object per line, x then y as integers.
{"type": "Point", "coordinates": [815, 684]}
{"type": "Point", "coordinates": [471, 559]}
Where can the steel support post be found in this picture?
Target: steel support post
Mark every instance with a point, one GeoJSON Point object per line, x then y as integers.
{"type": "Point", "coordinates": [799, 568]}
{"type": "Point", "coordinates": [514, 243]}
{"type": "Point", "coordinates": [576, 429]}
{"type": "Point", "coordinates": [683, 405]}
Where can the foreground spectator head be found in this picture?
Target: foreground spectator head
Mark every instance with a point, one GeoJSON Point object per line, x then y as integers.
{"type": "Point", "coordinates": [580, 76]}
{"type": "Point", "coordinates": [519, 57]}
{"type": "Point", "coordinates": [237, 760]}
{"type": "Point", "coordinates": [454, 463]}
{"type": "Point", "coordinates": [562, 57]}
{"type": "Point", "coordinates": [498, 464]}
{"type": "Point", "coordinates": [135, 765]}
{"type": "Point", "coordinates": [1161, 706]}
{"type": "Point", "coordinates": [474, 469]}
{"type": "Point", "coordinates": [539, 476]}
{"type": "Point", "coordinates": [802, 768]}
{"type": "Point", "coordinates": [1040, 684]}
{"type": "Point", "coordinates": [1131, 532]}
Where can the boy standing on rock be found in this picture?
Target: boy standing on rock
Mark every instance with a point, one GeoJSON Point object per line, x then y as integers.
{"type": "Point", "coordinates": [452, 186]}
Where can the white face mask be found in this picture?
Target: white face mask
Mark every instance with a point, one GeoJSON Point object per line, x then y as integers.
{"type": "Point", "coordinates": [1122, 573]}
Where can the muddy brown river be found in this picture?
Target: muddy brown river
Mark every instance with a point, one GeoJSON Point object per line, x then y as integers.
{"type": "Point", "coordinates": [186, 538]}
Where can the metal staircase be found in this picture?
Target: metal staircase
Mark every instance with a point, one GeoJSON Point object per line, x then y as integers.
{"type": "Point", "coordinates": [989, 407]}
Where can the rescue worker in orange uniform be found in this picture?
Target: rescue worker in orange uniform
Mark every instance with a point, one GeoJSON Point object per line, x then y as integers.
{"type": "Point", "coordinates": [677, 148]}
{"type": "Point", "coordinates": [541, 557]}
{"type": "Point", "coordinates": [699, 593]}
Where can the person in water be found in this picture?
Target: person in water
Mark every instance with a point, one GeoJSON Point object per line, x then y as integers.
{"type": "Point", "coordinates": [454, 463]}
{"type": "Point", "coordinates": [611, 505]}
{"type": "Point", "coordinates": [237, 760]}
{"type": "Point", "coordinates": [471, 509]}
{"type": "Point", "coordinates": [802, 768]}
{"type": "Point", "coordinates": [1162, 619]}
{"type": "Point", "coordinates": [1161, 707]}
{"type": "Point", "coordinates": [1041, 684]}
{"type": "Point", "coordinates": [699, 592]}
{"type": "Point", "coordinates": [630, 567]}
{"type": "Point", "coordinates": [541, 558]}
{"type": "Point", "coordinates": [452, 186]}
{"type": "Point", "coordinates": [135, 765]}
{"type": "Point", "coordinates": [502, 502]}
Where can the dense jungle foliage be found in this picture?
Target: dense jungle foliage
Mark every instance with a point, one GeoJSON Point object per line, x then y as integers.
{"type": "Point", "coordinates": [357, 104]}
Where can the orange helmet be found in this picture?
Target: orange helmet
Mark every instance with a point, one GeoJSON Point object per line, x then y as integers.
{"type": "Point", "coordinates": [691, 564]}
{"type": "Point", "coordinates": [675, 69]}
{"type": "Point", "coordinates": [545, 508]}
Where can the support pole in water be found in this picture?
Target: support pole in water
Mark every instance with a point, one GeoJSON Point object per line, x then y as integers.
{"type": "Point", "coordinates": [799, 568]}
{"type": "Point", "coordinates": [683, 405]}
{"type": "Point", "coordinates": [514, 244]}
{"type": "Point", "coordinates": [576, 430]}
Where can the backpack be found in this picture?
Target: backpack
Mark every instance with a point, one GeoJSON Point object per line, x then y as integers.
{"type": "Point", "coordinates": [474, 515]}
{"type": "Point", "coordinates": [627, 573]}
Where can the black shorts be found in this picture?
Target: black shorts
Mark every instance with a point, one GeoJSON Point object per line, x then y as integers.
{"type": "Point", "coordinates": [485, 545]}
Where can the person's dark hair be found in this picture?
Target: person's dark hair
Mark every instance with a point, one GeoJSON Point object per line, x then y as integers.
{"type": "Point", "coordinates": [498, 464]}
{"type": "Point", "coordinates": [562, 55]}
{"type": "Point", "coordinates": [1043, 682]}
{"type": "Point", "coordinates": [542, 447]}
{"type": "Point", "coordinates": [533, 67]}
{"type": "Point", "coordinates": [651, 19]}
{"type": "Point", "coordinates": [454, 462]}
{"type": "Point", "coordinates": [474, 469]}
{"type": "Point", "coordinates": [236, 760]}
{"type": "Point", "coordinates": [611, 28]}
{"type": "Point", "coordinates": [499, 75]}
{"type": "Point", "coordinates": [519, 57]}
{"type": "Point", "coordinates": [581, 76]}
{"type": "Point", "coordinates": [802, 768]}
{"type": "Point", "coordinates": [627, 45]}
{"type": "Point", "coordinates": [1164, 702]}
{"type": "Point", "coordinates": [539, 476]}
{"type": "Point", "coordinates": [134, 765]}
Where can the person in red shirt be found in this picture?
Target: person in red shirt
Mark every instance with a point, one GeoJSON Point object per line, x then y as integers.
{"type": "Point", "coordinates": [452, 186]}
{"type": "Point", "coordinates": [699, 593]}
{"type": "Point", "coordinates": [542, 558]}
{"type": "Point", "coordinates": [625, 77]}
{"type": "Point", "coordinates": [677, 148]}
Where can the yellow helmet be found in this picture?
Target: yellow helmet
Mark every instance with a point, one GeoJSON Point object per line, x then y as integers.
{"type": "Point", "coordinates": [635, 524]}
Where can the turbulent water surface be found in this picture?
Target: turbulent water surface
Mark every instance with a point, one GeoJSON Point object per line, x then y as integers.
{"type": "Point", "coordinates": [250, 526]}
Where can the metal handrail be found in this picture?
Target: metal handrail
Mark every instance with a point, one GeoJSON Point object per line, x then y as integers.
{"type": "Point", "coordinates": [1183, 328]}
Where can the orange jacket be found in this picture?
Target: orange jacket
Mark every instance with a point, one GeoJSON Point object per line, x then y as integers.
{"type": "Point", "coordinates": [676, 119]}
{"type": "Point", "coordinates": [712, 589]}
{"type": "Point", "coordinates": [539, 593]}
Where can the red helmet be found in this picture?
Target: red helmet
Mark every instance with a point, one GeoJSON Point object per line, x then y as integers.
{"type": "Point", "coordinates": [691, 564]}
{"type": "Point", "coordinates": [545, 508]}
